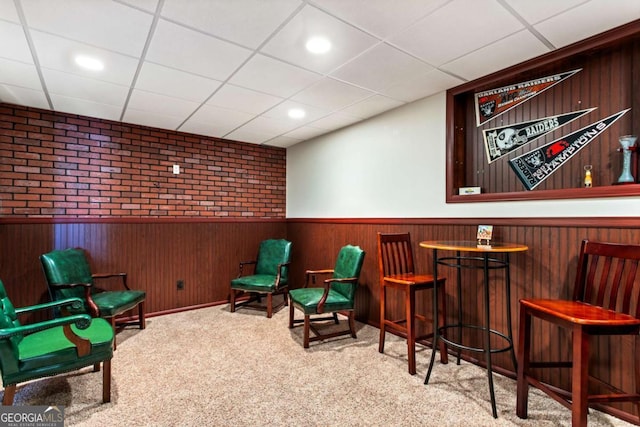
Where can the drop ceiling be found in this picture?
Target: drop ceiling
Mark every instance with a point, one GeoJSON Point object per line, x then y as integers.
{"type": "Point", "coordinates": [234, 68]}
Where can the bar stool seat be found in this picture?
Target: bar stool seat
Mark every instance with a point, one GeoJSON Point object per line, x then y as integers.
{"type": "Point", "coordinates": [395, 260]}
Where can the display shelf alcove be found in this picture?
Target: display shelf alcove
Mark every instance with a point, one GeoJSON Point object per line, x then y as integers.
{"type": "Point", "coordinates": [609, 79]}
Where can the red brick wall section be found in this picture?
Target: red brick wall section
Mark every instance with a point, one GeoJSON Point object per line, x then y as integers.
{"type": "Point", "coordinates": [63, 165]}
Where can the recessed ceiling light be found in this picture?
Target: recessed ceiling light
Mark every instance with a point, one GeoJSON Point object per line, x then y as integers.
{"type": "Point", "coordinates": [89, 63]}
{"type": "Point", "coordinates": [296, 113]}
{"type": "Point", "coordinates": [318, 45]}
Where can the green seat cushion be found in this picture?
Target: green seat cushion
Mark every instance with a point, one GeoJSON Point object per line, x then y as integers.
{"type": "Point", "coordinates": [112, 303]}
{"type": "Point", "coordinates": [50, 347]}
{"type": "Point", "coordinates": [307, 300]}
{"type": "Point", "coordinates": [256, 283]}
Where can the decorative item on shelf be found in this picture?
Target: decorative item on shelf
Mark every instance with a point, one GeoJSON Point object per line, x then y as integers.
{"type": "Point", "coordinates": [627, 142]}
{"type": "Point", "coordinates": [484, 235]}
{"type": "Point", "coordinates": [588, 182]}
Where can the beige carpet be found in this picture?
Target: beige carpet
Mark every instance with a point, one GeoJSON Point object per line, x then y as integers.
{"type": "Point", "coordinates": [210, 367]}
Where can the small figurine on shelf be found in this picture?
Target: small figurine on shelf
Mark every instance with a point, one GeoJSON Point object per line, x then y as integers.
{"type": "Point", "coordinates": [587, 176]}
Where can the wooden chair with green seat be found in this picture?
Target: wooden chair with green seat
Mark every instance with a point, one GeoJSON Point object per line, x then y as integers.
{"type": "Point", "coordinates": [337, 295]}
{"type": "Point", "coordinates": [269, 278]}
{"type": "Point", "coordinates": [606, 301]}
{"type": "Point", "coordinates": [51, 347]}
{"type": "Point", "coordinates": [68, 274]}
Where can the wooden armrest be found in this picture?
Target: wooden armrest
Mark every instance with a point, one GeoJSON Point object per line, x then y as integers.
{"type": "Point", "coordinates": [108, 275]}
{"type": "Point", "coordinates": [327, 287]}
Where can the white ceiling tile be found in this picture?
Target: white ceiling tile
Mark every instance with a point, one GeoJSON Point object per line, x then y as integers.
{"type": "Point", "coordinates": [8, 11]}
{"type": "Point", "coordinates": [78, 87]}
{"type": "Point", "coordinates": [247, 135]}
{"type": "Point", "coordinates": [23, 96]}
{"type": "Point", "coordinates": [13, 43]}
{"type": "Point", "coordinates": [175, 83]}
{"type": "Point", "coordinates": [455, 30]}
{"type": "Point", "coordinates": [381, 67]}
{"type": "Point", "coordinates": [19, 74]}
{"type": "Point", "coordinates": [381, 18]}
{"type": "Point", "coordinates": [241, 99]}
{"type": "Point", "coordinates": [561, 30]}
{"type": "Point", "coordinates": [270, 125]}
{"type": "Point", "coordinates": [371, 106]}
{"type": "Point", "coordinates": [274, 77]}
{"type": "Point", "coordinates": [101, 23]}
{"type": "Point", "coordinates": [247, 22]}
{"type": "Point", "coordinates": [218, 120]}
{"type": "Point", "coordinates": [289, 43]}
{"type": "Point", "coordinates": [146, 118]}
{"type": "Point", "coordinates": [148, 5]}
{"type": "Point", "coordinates": [497, 56]}
{"type": "Point", "coordinates": [335, 121]}
{"type": "Point", "coordinates": [85, 107]}
{"type": "Point", "coordinates": [161, 104]}
{"type": "Point", "coordinates": [331, 94]}
{"type": "Point", "coordinates": [58, 53]}
{"type": "Point", "coordinates": [427, 84]}
{"type": "Point", "coordinates": [282, 141]}
{"type": "Point", "coordinates": [188, 50]}
{"type": "Point", "coordinates": [281, 111]}
{"type": "Point", "coordinates": [539, 10]}
{"type": "Point", "coordinates": [305, 132]}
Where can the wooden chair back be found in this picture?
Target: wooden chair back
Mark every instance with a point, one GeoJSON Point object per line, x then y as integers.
{"type": "Point", "coordinates": [607, 276]}
{"type": "Point", "coordinates": [395, 254]}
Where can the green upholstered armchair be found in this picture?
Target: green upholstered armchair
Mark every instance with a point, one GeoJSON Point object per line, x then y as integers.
{"type": "Point", "coordinates": [51, 347]}
{"type": "Point", "coordinates": [68, 275]}
{"type": "Point", "coordinates": [270, 276]}
{"type": "Point", "coordinates": [337, 295]}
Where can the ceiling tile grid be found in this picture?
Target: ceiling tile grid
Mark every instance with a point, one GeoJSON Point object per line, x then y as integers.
{"type": "Point", "coordinates": [238, 69]}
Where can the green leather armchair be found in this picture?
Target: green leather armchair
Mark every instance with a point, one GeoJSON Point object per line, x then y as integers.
{"type": "Point", "coordinates": [68, 275]}
{"type": "Point", "coordinates": [336, 296]}
{"type": "Point", "coordinates": [51, 347]}
{"type": "Point", "coordinates": [270, 276]}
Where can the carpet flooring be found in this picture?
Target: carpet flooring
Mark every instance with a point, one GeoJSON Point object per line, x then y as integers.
{"type": "Point", "coordinates": [210, 367]}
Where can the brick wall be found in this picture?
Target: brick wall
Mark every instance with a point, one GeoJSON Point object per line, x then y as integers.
{"type": "Point", "coordinates": [64, 165]}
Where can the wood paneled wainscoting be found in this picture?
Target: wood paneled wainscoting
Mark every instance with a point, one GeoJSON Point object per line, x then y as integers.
{"type": "Point", "coordinates": [155, 253]}
{"type": "Point", "coordinates": [547, 269]}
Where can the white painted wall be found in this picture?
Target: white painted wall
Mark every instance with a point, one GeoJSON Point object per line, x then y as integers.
{"type": "Point", "coordinates": [393, 166]}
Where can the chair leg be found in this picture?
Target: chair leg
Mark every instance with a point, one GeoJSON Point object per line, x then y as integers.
{"type": "Point", "coordinates": [636, 371]}
{"type": "Point", "coordinates": [335, 318]}
{"type": "Point", "coordinates": [579, 377]}
{"type": "Point", "coordinates": [442, 318]}
{"type": "Point", "coordinates": [141, 318]}
{"type": "Point", "coordinates": [232, 300]}
{"type": "Point", "coordinates": [410, 308]}
{"type": "Point", "coordinates": [307, 325]}
{"type": "Point", "coordinates": [113, 327]}
{"type": "Point", "coordinates": [383, 301]}
{"type": "Point", "coordinates": [291, 315]}
{"type": "Point", "coordinates": [352, 323]}
{"type": "Point", "coordinates": [524, 354]}
{"type": "Point", "coordinates": [96, 367]}
{"type": "Point", "coordinates": [106, 381]}
{"type": "Point", "coordinates": [9, 393]}
{"type": "Point", "coordinates": [269, 305]}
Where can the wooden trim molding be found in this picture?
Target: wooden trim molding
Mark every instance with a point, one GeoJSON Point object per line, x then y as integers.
{"type": "Point", "coordinates": [612, 222]}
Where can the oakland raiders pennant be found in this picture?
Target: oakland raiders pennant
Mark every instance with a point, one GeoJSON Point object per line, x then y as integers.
{"type": "Point", "coordinates": [492, 103]}
{"type": "Point", "coordinates": [503, 140]}
{"type": "Point", "coordinates": [537, 165]}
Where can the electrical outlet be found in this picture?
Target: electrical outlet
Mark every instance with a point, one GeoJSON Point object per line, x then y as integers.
{"type": "Point", "coordinates": [176, 169]}
{"type": "Point", "coordinates": [180, 284]}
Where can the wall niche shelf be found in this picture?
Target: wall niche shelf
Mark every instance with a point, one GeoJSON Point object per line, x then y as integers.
{"type": "Point", "coordinates": [609, 67]}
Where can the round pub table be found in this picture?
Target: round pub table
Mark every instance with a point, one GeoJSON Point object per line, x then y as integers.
{"type": "Point", "coordinates": [472, 255]}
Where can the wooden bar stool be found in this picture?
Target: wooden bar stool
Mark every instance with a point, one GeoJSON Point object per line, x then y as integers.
{"type": "Point", "coordinates": [395, 262]}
